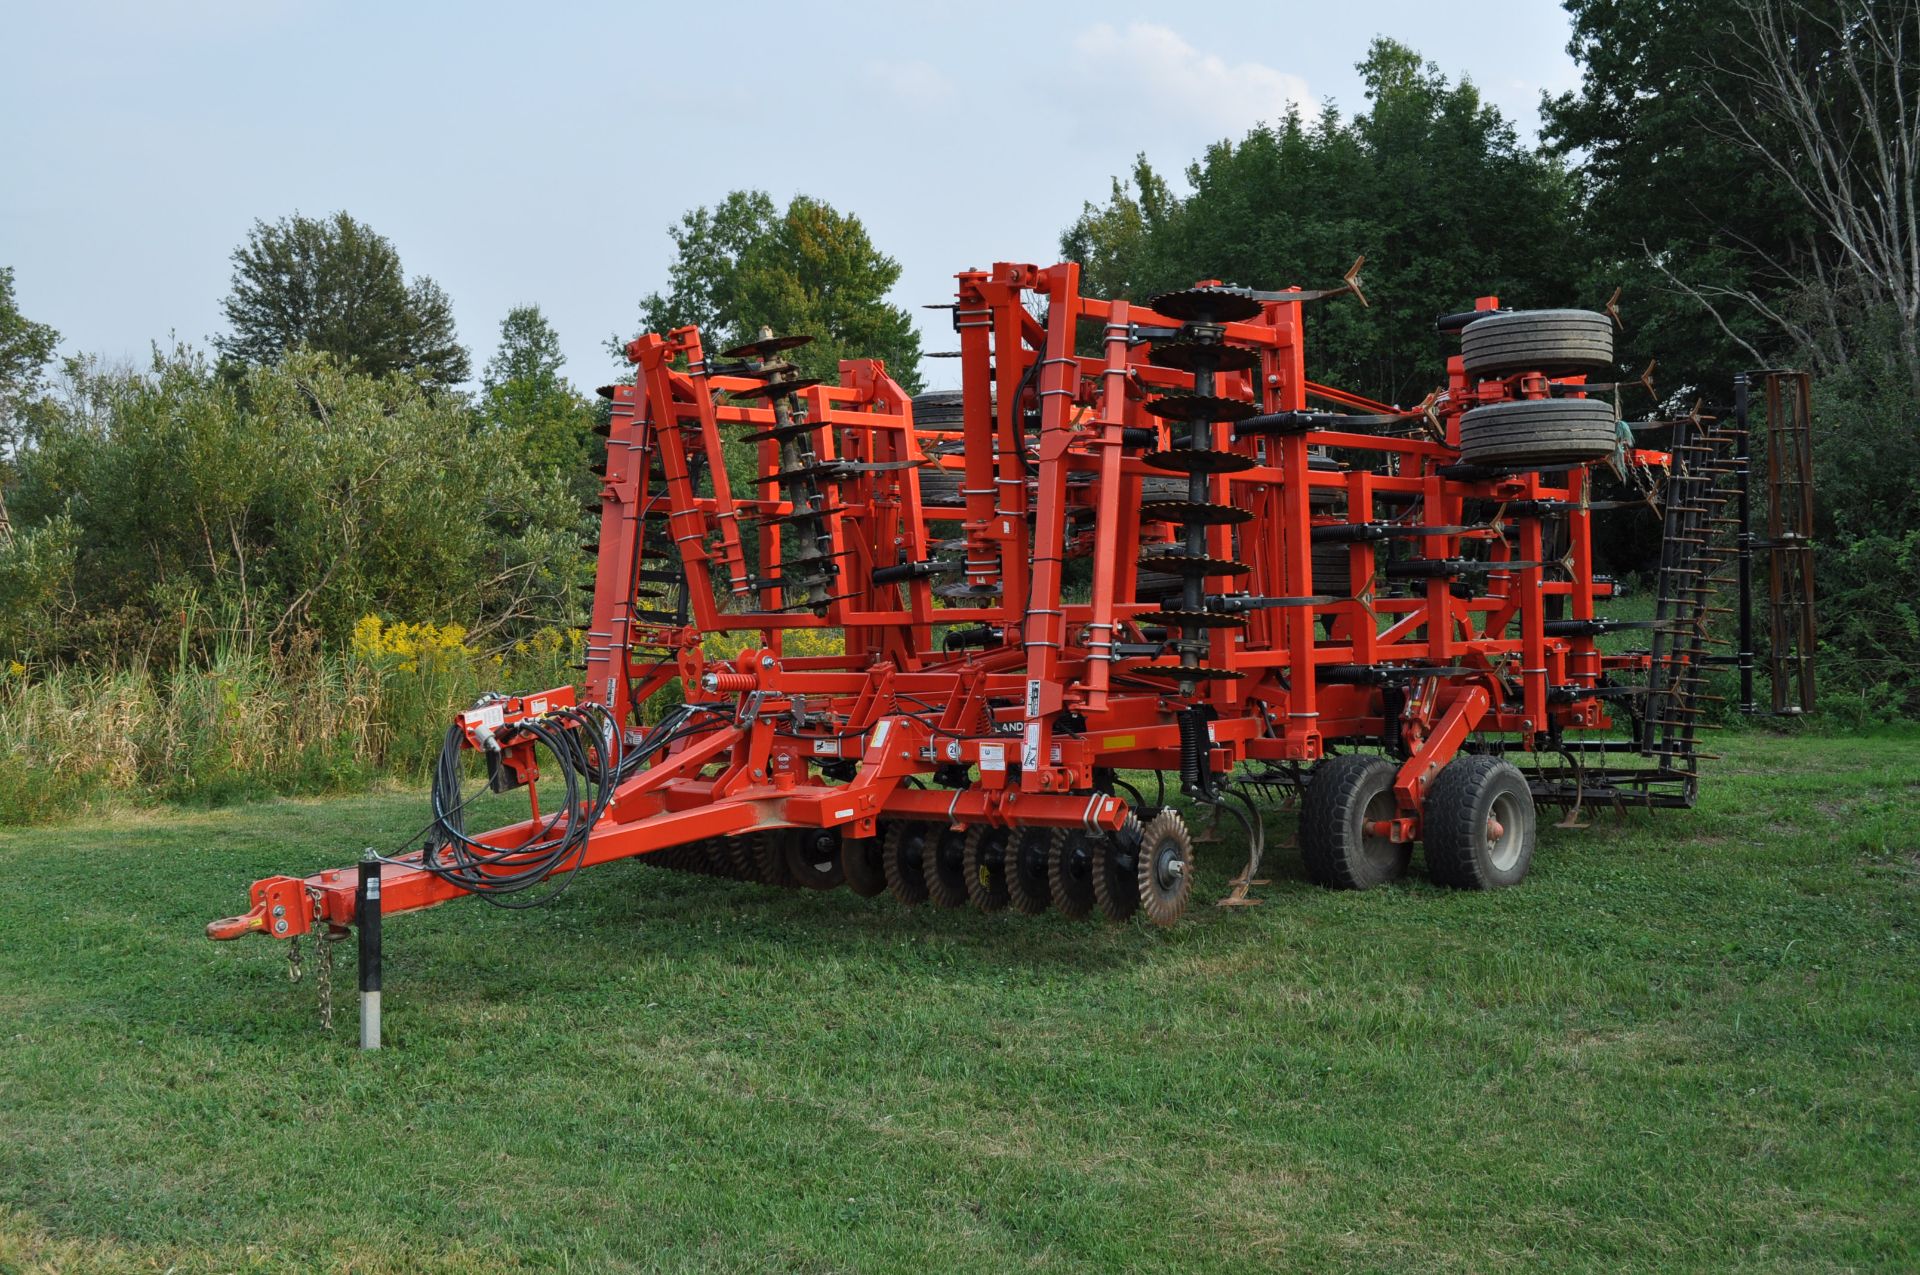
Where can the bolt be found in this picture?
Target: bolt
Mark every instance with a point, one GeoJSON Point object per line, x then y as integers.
{"type": "Point", "coordinates": [279, 927]}
{"type": "Point", "coordinates": [279, 911]}
{"type": "Point", "coordinates": [766, 661]}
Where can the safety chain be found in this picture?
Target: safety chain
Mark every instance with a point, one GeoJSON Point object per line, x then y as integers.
{"type": "Point", "coordinates": [325, 979]}
{"type": "Point", "coordinates": [293, 959]}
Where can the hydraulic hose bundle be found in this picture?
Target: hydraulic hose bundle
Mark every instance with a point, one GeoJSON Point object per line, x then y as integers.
{"type": "Point", "coordinates": [584, 744]}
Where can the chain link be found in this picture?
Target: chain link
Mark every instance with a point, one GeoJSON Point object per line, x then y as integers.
{"type": "Point", "coordinates": [325, 979]}
{"type": "Point", "coordinates": [293, 959]}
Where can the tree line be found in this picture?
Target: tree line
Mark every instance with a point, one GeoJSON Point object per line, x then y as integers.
{"type": "Point", "coordinates": [1741, 172]}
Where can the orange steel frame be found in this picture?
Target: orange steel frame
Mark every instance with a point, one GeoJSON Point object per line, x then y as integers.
{"type": "Point", "coordinates": [1036, 713]}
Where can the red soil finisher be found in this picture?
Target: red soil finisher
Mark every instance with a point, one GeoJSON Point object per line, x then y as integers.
{"type": "Point", "coordinates": [1139, 542]}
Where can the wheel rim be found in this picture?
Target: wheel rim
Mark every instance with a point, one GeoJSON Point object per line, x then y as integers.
{"type": "Point", "coordinates": [1168, 864]}
{"type": "Point", "coordinates": [1505, 836]}
{"type": "Point", "coordinates": [1380, 852]}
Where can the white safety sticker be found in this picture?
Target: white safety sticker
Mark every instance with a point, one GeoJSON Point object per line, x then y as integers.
{"type": "Point", "coordinates": [490, 716]}
{"type": "Point", "coordinates": [537, 707]}
{"type": "Point", "coordinates": [1033, 697]}
{"type": "Point", "coordinates": [827, 747]}
{"type": "Point", "coordinates": [993, 757]}
{"type": "Point", "coordinates": [1030, 750]}
{"type": "Point", "coordinates": [843, 814]}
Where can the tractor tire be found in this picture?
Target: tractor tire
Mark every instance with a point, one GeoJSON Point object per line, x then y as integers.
{"type": "Point", "coordinates": [1470, 799]}
{"type": "Point", "coordinates": [1332, 570]}
{"type": "Point", "coordinates": [986, 867]}
{"type": "Point", "coordinates": [938, 410]}
{"type": "Point", "coordinates": [942, 486]}
{"type": "Point", "coordinates": [1553, 342]}
{"type": "Point", "coordinates": [1324, 500]}
{"type": "Point", "coordinates": [1534, 433]}
{"type": "Point", "coordinates": [1344, 795]}
{"type": "Point", "coordinates": [1152, 586]}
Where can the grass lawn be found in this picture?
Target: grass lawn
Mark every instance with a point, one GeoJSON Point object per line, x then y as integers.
{"type": "Point", "coordinates": [1691, 1040]}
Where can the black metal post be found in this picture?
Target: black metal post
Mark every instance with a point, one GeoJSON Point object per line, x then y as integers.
{"type": "Point", "coordinates": [366, 920]}
{"type": "Point", "coordinates": [1743, 465]}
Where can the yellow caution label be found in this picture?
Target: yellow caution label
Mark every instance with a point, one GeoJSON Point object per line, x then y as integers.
{"type": "Point", "coordinates": [1119, 741]}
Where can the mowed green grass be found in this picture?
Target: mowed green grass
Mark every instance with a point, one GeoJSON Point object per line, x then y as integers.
{"type": "Point", "coordinates": [1690, 1041]}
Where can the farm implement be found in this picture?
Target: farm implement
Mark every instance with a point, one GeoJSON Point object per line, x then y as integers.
{"type": "Point", "coordinates": [965, 648]}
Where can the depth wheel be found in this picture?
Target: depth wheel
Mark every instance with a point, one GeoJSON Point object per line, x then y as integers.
{"type": "Point", "coordinates": [986, 867]}
{"type": "Point", "coordinates": [1163, 868]}
{"type": "Point", "coordinates": [1116, 878]}
{"type": "Point", "coordinates": [864, 864]}
{"type": "Point", "coordinates": [944, 865]}
{"type": "Point", "coordinates": [1028, 889]}
{"type": "Point", "coordinates": [1345, 794]}
{"type": "Point", "coordinates": [903, 848]}
{"type": "Point", "coordinates": [813, 857]}
{"type": "Point", "coordinates": [1480, 825]}
{"type": "Point", "coordinates": [1070, 873]}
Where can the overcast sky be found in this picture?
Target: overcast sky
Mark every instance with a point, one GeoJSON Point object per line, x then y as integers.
{"type": "Point", "coordinates": [538, 153]}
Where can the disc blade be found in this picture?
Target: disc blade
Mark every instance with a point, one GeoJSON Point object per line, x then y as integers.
{"type": "Point", "coordinates": [1199, 407]}
{"type": "Point", "coordinates": [1181, 564]}
{"type": "Point", "coordinates": [777, 389]}
{"type": "Point", "coordinates": [1205, 305]}
{"type": "Point", "coordinates": [1194, 513]}
{"type": "Point", "coordinates": [783, 432]}
{"type": "Point", "coordinates": [1174, 672]}
{"type": "Point", "coordinates": [1183, 460]}
{"type": "Point", "coordinates": [1194, 356]}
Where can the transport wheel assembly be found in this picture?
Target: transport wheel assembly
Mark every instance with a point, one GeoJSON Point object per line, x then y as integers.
{"type": "Point", "coordinates": [1480, 824]}
{"type": "Point", "coordinates": [1340, 843]}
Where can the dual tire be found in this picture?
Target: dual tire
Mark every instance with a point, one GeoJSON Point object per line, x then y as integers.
{"type": "Point", "coordinates": [1537, 433]}
{"type": "Point", "coordinates": [1480, 826]}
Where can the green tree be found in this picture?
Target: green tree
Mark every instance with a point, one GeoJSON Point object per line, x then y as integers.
{"type": "Point", "coordinates": [300, 498]}
{"type": "Point", "coordinates": [1667, 204]}
{"type": "Point", "coordinates": [745, 263]}
{"type": "Point", "coordinates": [1754, 166]}
{"type": "Point", "coordinates": [26, 348]}
{"type": "Point", "coordinates": [1430, 184]}
{"type": "Point", "coordinates": [526, 398]}
{"type": "Point", "coordinates": [334, 285]}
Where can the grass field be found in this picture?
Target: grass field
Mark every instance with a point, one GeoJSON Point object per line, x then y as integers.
{"type": "Point", "coordinates": [1690, 1041]}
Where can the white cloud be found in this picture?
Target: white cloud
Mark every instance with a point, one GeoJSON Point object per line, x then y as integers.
{"type": "Point", "coordinates": [912, 81]}
{"type": "Point", "coordinates": [1169, 76]}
